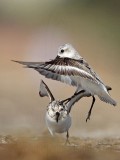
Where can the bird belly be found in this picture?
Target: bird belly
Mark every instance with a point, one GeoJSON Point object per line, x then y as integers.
{"type": "Point", "coordinates": [90, 86]}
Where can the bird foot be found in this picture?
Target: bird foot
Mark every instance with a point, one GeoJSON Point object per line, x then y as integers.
{"type": "Point", "coordinates": [67, 142]}
{"type": "Point", "coordinates": [88, 117]}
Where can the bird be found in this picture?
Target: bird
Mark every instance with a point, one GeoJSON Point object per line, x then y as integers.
{"type": "Point", "coordinates": [70, 67]}
{"type": "Point", "coordinates": [58, 118]}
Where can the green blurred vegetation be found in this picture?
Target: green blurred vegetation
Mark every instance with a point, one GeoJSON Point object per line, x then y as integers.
{"type": "Point", "coordinates": [92, 17]}
{"type": "Point", "coordinates": [32, 11]}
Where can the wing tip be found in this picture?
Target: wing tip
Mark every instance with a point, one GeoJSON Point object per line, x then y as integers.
{"type": "Point", "coordinates": [21, 62]}
{"type": "Point", "coordinates": [15, 61]}
{"type": "Point", "coordinates": [40, 94]}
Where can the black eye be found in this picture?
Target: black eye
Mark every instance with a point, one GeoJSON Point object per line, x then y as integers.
{"type": "Point", "coordinates": [62, 50]}
{"type": "Point", "coordinates": [61, 109]}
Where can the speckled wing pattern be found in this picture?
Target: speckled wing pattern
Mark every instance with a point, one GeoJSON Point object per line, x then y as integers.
{"type": "Point", "coordinates": [72, 72]}
{"type": "Point", "coordinates": [67, 67]}
{"type": "Point", "coordinates": [62, 69]}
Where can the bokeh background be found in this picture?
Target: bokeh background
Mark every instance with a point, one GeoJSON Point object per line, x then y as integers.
{"type": "Point", "coordinates": [32, 30]}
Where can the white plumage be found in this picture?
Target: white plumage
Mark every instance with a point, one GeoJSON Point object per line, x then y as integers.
{"type": "Point", "coordinates": [58, 119]}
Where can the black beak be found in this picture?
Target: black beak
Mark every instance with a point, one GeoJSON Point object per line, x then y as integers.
{"type": "Point", "coordinates": [57, 116]}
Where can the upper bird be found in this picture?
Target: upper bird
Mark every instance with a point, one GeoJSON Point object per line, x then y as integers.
{"type": "Point", "coordinates": [69, 67]}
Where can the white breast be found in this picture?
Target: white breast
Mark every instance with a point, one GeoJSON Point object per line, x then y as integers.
{"type": "Point", "coordinates": [62, 126]}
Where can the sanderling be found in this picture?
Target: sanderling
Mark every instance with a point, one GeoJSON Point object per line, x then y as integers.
{"type": "Point", "coordinates": [69, 67]}
{"type": "Point", "coordinates": [58, 119]}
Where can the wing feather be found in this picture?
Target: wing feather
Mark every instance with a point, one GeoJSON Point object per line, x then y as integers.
{"type": "Point", "coordinates": [75, 98]}
{"type": "Point", "coordinates": [62, 68]}
{"type": "Point", "coordinates": [44, 91]}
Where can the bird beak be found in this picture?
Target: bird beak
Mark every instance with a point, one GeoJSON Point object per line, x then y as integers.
{"type": "Point", "coordinates": [57, 116]}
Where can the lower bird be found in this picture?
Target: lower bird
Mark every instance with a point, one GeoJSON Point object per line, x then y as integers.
{"type": "Point", "coordinates": [58, 119]}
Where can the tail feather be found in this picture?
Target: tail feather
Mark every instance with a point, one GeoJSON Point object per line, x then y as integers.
{"type": "Point", "coordinates": [108, 99]}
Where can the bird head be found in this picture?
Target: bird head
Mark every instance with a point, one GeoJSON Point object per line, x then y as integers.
{"type": "Point", "coordinates": [57, 111]}
{"type": "Point", "coordinates": [67, 51]}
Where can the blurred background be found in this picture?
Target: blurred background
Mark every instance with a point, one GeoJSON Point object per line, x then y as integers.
{"type": "Point", "coordinates": [32, 30]}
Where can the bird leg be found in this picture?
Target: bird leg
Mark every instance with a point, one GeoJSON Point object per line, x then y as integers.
{"type": "Point", "coordinates": [75, 94]}
{"type": "Point", "coordinates": [89, 113]}
{"type": "Point", "coordinates": [66, 100]}
{"type": "Point", "coordinates": [67, 140]}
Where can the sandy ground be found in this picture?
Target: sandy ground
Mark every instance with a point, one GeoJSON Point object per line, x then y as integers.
{"type": "Point", "coordinates": [47, 148]}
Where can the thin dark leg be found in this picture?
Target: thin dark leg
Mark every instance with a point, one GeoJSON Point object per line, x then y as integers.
{"type": "Point", "coordinates": [66, 100]}
{"type": "Point", "coordinates": [75, 94]}
{"type": "Point", "coordinates": [89, 113]}
{"type": "Point", "coordinates": [67, 136]}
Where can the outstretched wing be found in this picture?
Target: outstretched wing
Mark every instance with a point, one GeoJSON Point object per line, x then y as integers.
{"type": "Point", "coordinates": [75, 98]}
{"type": "Point", "coordinates": [64, 70]}
{"type": "Point", "coordinates": [44, 91]}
